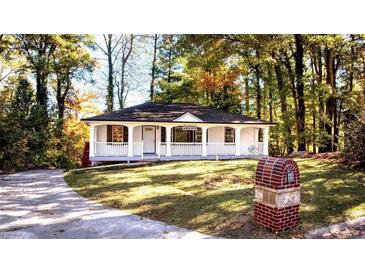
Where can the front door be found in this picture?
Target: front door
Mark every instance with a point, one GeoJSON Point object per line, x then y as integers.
{"type": "Point", "coordinates": [149, 139]}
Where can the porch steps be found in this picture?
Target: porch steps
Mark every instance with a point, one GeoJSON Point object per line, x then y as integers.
{"type": "Point", "coordinates": [85, 161]}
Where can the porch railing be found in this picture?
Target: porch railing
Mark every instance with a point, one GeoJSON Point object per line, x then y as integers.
{"type": "Point", "coordinates": [179, 149]}
{"type": "Point", "coordinates": [138, 148]}
{"type": "Point", "coordinates": [220, 148]}
{"type": "Point", "coordinates": [111, 149]}
{"type": "Point", "coordinates": [117, 148]}
{"type": "Point", "coordinates": [186, 149]}
{"type": "Point", "coordinates": [252, 148]}
{"type": "Point", "coordinates": [161, 149]}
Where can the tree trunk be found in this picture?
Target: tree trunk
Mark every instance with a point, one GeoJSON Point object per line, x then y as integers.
{"type": "Point", "coordinates": [153, 69]}
{"type": "Point", "coordinates": [247, 97]}
{"type": "Point", "coordinates": [110, 88]}
{"type": "Point", "coordinates": [330, 102]}
{"type": "Point", "coordinates": [63, 86]}
{"type": "Point", "coordinates": [336, 130]}
{"type": "Point", "coordinates": [169, 71]}
{"type": "Point", "coordinates": [289, 146]}
{"type": "Point", "coordinates": [314, 110]}
{"type": "Point", "coordinates": [336, 111]}
{"type": "Point", "coordinates": [271, 87]}
{"type": "Point", "coordinates": [347, 116]}
{"type": "Point", "coordinates": [299, 71]}
{"type": "Point", "coordinates": [61, 114]}
{"type": "Point", "coordinates": [318, 66]}
{"type": "Point", "coordinates": [293, 90]}
{"type": "Point", "coordinates": [258, 91]}
{"type": "Point", "coordinates": [122, 87]}
{"type": "Point", "coordinates": [41, 88]}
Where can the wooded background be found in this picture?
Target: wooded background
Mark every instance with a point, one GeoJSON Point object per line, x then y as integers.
{"type": "Point", "coordinates": [312, 86]}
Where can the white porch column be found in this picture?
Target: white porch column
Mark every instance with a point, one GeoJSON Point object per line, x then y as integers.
{"type": "Point", "coordinates": [168, 141]}
{"type": "Point", "coordinates": [266, 140]}
{"type": "Point", "coordinates": [204, 141]}
{"type": "Point", "coordinates": [256, 136]}
{"type": "Point", "coordinates": [92, 141]}
{"type": "Point", "coordinates": [130, 141]}
{"type": "Point", "coordinates": [238, 141]}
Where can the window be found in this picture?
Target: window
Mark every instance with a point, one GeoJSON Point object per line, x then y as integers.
{"type": "Point", "coordinates": [117, 134]}
{"type": "Point", "coordinates": [198, 135]}
{"type": "Point", "coordinates": [260, 135]}
{"type": "Point", "coordinates": [184, 135]}
{"type": "Point", "coordinates": [229, 135]}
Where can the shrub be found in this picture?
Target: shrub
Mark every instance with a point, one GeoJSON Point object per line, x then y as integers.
{"type": "Point", "coordinates": [354, 149]}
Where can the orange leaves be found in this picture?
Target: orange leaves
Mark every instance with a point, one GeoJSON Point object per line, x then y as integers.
{"type": "Point", "coordinates": [220, 79]}
{"type": "Point", "coordinates": [208, 81]}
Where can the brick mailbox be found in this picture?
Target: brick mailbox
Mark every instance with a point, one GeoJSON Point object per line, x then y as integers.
{"type": "Point", "coordinates": [277, 193]}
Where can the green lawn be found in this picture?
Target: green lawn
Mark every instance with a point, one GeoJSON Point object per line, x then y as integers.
{"type": "Point", "coordinates": [216, 197]}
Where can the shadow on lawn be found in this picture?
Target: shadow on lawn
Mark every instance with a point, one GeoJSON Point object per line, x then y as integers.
{"type": "Point", "coordinates": [328, 193]}
{"type": "Point", "coordinates": [327, 196]}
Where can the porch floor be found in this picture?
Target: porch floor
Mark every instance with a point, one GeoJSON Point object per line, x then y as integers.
{"type": "Point", "coordinates": [152, 157]}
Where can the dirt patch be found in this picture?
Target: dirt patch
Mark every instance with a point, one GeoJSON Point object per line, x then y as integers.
{"type": "Point", "coordinates": [217, 181]}
{"type": "Point", "coordinates": [338, 158]}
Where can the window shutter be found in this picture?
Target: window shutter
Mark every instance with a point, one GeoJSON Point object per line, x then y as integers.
{"type": "Point", "coordinates": [109, 133]}
{"type": "Point", "coordinates": [125, 134]}
{"type": "Point", "coordinates": [163, 134]}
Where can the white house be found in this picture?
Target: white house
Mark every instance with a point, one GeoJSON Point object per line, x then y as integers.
{"type": "Point", "coordinates": [175, 132]}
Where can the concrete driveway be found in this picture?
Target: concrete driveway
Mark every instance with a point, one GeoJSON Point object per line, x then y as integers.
{"type": "Point", "coordinates": [39, 204]}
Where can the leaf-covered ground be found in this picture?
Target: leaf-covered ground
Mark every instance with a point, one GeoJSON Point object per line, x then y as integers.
{"type": "Point", "coordinates": [216, 197]}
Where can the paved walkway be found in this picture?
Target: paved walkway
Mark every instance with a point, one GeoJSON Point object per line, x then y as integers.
{"type": "Point", "coordinates": [354, 229]}
{"type": "Point", "coordinates": [39, 204]}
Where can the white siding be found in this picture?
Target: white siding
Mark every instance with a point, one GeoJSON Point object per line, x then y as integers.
{"type": "Point", "coordinates": [248, 139]}
{"type": "Point", "coordinates": [137, 134]}
{"type": "Point", "coordinates": [216, 134]}
{"type": "Point", "coordinates": [248, 135]}
{"type": "Point", "coordinates": [101, 134]}
{"type": "Point", "coordinates": [158, 134]}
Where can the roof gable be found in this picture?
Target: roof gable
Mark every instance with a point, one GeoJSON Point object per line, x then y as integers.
{"type": "Point", "coordinates": [187, 117]}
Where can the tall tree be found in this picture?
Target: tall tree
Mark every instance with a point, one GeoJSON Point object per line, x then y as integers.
{"type": "Point", "coordinates": [299, 72]}
{"type": "Point", "coordinates": [39, 50]}
{"type": "Point", "coordinates": [71, 61]}
{"type": "Point", "coordinates": [289, 146]}
{"type": "Point", "coordinates": [154, 66]}
{"type": "Point", "coordinates": [122, 74]}
{"type": "Point", "coordinates": [109, 49]}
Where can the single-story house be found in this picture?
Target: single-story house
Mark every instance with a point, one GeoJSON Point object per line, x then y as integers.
{"type": "Point", "coordinates": [173, 132]}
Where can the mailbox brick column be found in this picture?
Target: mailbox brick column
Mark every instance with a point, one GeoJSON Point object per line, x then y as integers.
{"type": "Point", "coordinates": [277, 193]}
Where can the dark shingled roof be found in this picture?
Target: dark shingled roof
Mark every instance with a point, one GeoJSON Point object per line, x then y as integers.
{"type": "Point", "coordinates": [164, 112]}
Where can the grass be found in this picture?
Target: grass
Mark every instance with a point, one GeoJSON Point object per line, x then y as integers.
{"type": "Point", "coordinates": [216, 197]}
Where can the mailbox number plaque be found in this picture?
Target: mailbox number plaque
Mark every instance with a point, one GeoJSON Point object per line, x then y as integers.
{"type": "Point", "coordinates": [290, 176]}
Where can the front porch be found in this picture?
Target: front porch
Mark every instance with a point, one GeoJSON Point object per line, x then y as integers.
{"type": "Point", "coordinates": [117, 141]}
